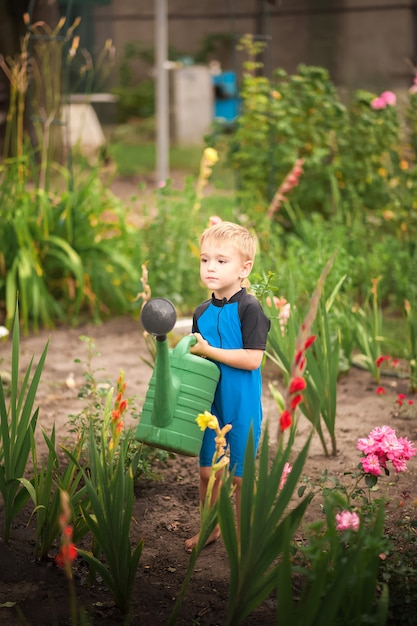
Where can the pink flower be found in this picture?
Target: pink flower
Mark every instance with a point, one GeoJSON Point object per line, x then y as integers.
{"type": "Point", "coordinates": [284, 316]}
{"type": "Point", "coordinates": [383, 445]}
{"type": "Point", "coordinates": [399, 465]}
{"type": "Point", "coordinates": [368, 445]}
{"type": "Point", "coordinates": [408, 450]}
{"type": "Point", "coordinates": [346, 520]}
{"type": "Point", "coordinates": [286, 470]}
{"type": "Point", "coordinates": [370, 464]}
{"type": "Point", "coordinates": [380, 391]}
{"type": "Point", "coordinates": [377, 104]}
{"type": "Point", "coordinates": [389, 98]}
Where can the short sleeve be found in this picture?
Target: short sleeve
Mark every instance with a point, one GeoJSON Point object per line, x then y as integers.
{"type": "Point", "coordinates": [255, 324]}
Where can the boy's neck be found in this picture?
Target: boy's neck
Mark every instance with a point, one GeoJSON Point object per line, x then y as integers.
{"type": "Point", "coordinates": [227, 296]}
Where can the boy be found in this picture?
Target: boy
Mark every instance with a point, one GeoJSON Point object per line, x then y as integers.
{"type": "Point", "coordinates": [231, 329]}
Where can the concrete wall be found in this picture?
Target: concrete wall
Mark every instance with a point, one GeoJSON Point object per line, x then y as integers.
{"type": "Point", "coordinates": [364, 43]}
{"type": "Point", "coordinates": [191, 104]}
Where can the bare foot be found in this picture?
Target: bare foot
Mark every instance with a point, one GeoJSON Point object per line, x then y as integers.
{"type": "Point", "coordinates": [192, 541]}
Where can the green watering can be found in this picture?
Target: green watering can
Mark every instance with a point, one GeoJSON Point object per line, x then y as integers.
{"type": "Point", "coordinates": [182, 386]}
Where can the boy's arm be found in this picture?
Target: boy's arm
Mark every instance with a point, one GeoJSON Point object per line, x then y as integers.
{"type": "Point", "coordinates": [240, 358]}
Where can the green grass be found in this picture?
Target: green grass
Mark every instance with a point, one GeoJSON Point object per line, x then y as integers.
{"type": "Point", "coordinates": [133, 148]}
{"type": "Point", "coordinates": [132, 159]}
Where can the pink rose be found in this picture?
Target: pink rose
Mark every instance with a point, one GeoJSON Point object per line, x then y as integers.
{"type": "Point", "coordinates": [346, 520]}
{"type": "Point", "coordinates": [389, 98]}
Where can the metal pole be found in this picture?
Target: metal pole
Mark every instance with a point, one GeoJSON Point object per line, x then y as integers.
{"type": "Point", "coordinates": [162, 99]}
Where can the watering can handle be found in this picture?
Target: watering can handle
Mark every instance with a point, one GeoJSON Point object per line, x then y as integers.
{"type": "Point", "coordinates": [183, 347]}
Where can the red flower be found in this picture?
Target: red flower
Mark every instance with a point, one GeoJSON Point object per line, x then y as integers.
{"type": "Point", "coordinates": [298, 357]}
{"type": "Point", "coordinates": [380, 391]}
{"type": "Point", "coordinates": [309, 341]}
{"type": "Point", "coordinates": [295, 401]}
{"type": "Point", "coordinates": [381, 359]}
{"type": "Point", "coordinates": [297, 384]}
{"type": "Point", "coordinates": [302, 364]}
{"type": "Point", "coordinates": [115, 415]}
{"type": "Point", "coordinates": [285, 420]}
{"type": "Point", "coordinates": [67, 554]}
{"type": "Point", "coordinates": [123, 406]}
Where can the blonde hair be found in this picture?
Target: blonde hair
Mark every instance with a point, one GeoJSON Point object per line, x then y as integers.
{"type": "Point", "coordinates": [234, 235]}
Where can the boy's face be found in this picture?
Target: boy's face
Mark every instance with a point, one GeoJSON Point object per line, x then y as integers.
{"type": "Point", "coordinates": [222, 268]}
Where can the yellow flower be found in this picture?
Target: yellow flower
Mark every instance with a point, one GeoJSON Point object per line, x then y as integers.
{"type": "Point", "coordinates": [382, 172]}
{"type": "Point", "coordinates": [207, 420]}
{"type": "Point", "coordinates": [211, 155]}
{"type": "Point", "coordinates": [403, 165]}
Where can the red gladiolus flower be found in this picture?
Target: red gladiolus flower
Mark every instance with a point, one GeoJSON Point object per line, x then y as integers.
{"type": "Point", "coordinates": [115, 415]}
{"type": "Point", "coordinates": [302, 364]}
{"type": "Point", "coordinates": [67, 554]}
{"type": "Point", "coordinates": [400, 399]}
{"type": "Point", "coordinates": [297, 384]}
{"type": "Point", "coordinates": [298, 357]}
{"type": "Point", "coordinates": [123, 406]}
{"type": "Point", "coordinates": [309, 341]}
{"type": "Point", "coordinates": [381, 359]}
{"type": "Point", "coordinates": [285, 420]}
{"type": "Point", "coordinates": [296, 400]}
{"type": "Point", "coordinates": [380, 391]}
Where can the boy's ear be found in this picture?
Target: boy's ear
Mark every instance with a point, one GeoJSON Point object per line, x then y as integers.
{"type": "Point", "coordinates": [246, 268]}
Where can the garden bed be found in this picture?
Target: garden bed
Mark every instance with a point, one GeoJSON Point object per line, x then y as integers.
{"type": "Point", "coordinates": [166, 510]}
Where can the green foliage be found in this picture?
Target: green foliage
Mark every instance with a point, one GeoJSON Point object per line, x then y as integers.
{"type": "Point", "coordinates": [135, 100]}
{"type": "Point", "coordinates": [45, 489]}
{"type": "Point", "coordinates": [109, 485]}
{"type": "Point", "coordinates": [287, 339]}
{"type": "Point", "coordinates": [411, 314]}
{"type": "Point", "coordinates": [94, 394]}
{"type": "Point", "coordinates": [17, 425]}
{"type": "Point", "coordinates": [330, 565]}
{"type": "Point", "coordinates": [355, 163]}
{"type": "Point", "coordinates": [266, 527]}
{"type": "Point", "coordinates": [64, 254]}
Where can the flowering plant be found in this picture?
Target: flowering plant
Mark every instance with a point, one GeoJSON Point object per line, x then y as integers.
{"type": "Point", "coordinates": [209, 509]}
{"type": "Point", "coordinates": [381, 447]}
{"type": "Point", "coordinates": [348, 544]}
{"type": "Point", "coordinates": [311, 374]}
{"type": "Point", "coordinates": [108, 515]}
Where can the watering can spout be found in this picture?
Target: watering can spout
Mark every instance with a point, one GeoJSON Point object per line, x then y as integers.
{"type": "Point", "coordinates": [167, 386]}
{"type": "Point", "coordinates": [158, 318]}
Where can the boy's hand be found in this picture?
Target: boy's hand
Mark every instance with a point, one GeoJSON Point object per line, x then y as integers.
{"type": "Point", "coordinates": [201, 346]}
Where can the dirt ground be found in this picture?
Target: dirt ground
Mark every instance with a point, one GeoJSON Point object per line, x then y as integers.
{"type": "Point", "coordinates": [165, 511]}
